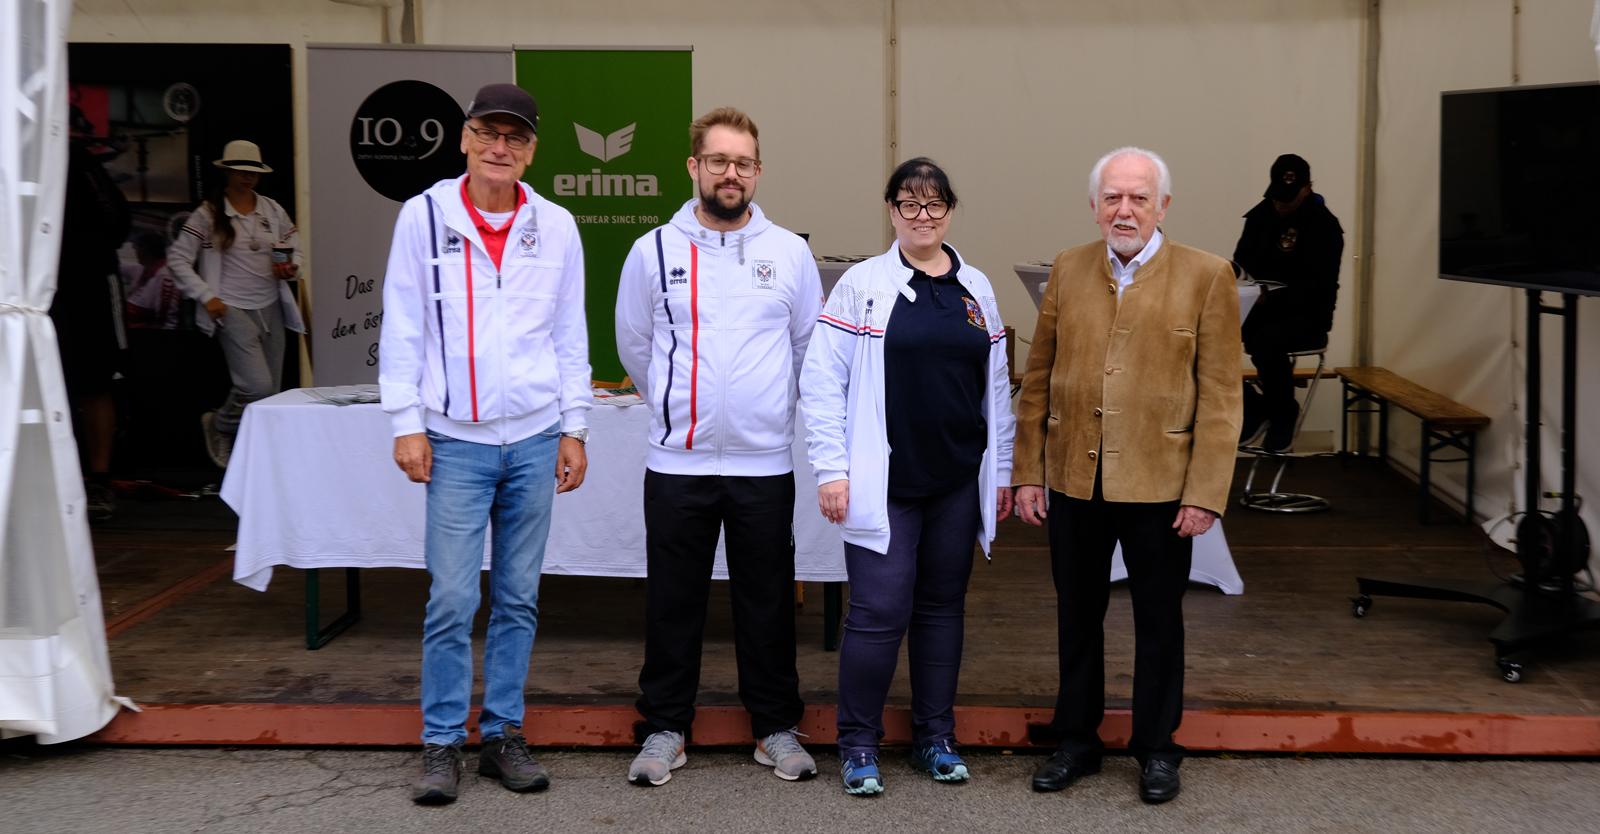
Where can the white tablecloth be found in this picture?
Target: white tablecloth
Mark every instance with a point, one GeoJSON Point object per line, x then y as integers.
{"type": "Point", "coordinates": [315, 486]}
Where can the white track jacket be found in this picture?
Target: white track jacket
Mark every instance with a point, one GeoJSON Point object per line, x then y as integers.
{"type": "Point", "coordinates": [712, 327]}
{"type": "Point", "coordinates": [494, 359]}
{"type": "Point", "coordinates": [841, 390]}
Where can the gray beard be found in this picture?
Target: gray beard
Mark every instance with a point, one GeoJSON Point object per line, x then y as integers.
{"type": "Point", "coordinates": [1130, 248]}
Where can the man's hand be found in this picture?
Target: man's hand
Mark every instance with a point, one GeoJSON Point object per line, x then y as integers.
{"type": "Point", "coordinates": [1003, 510]}
{"type": "Point", "coordinates": [285, 271]}
{"type": "Point", "coordinates": [414, 454]}
{"type": "Point", "coordinates": [1030, 504]}
{"type": "Point", "coordinates": [217, 310]}
{"type": "Point", "coordinates": [1193, 521]}
{"type": "Point", "coordinates": [571, 464]}
{"type": "Point", "coordinates": [834, 499]}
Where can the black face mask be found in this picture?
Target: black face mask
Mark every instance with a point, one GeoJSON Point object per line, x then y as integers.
{"type": "Point", "coordinates": [715, 208]}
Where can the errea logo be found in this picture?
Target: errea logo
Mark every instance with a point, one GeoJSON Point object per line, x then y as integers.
{"type": "Point", "coordinates": [597, 184]}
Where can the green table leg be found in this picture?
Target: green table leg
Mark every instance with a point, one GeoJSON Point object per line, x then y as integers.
{"type": "Point", "coordinates": [316, 635]}
{"type": "Point", "coordinates": [832, 612]}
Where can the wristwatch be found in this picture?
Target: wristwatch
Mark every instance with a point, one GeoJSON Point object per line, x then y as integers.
{"type": "Point", "coordinates": [580, 435]}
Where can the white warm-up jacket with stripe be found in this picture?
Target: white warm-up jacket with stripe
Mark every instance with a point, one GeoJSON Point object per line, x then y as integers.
{"type": "Point", "coordinates": [712, 327]}
{"type": "Point", "coordinates": [494, 359]}
{"type": "Point", "coordinates": [841, 393]}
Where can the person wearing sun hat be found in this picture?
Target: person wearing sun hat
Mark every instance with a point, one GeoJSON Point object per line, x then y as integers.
{"type": "Point", "coordinates": [235, 256]}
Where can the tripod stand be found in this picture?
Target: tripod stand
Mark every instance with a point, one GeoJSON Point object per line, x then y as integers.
{"type": "Point", "coordinates": [1551, 548]}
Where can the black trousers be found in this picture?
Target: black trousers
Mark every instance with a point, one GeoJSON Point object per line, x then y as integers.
{"type": "Point", "coordinates": [682, 516]}
{"type": "Point", "coordinates": [1269, 339]}
{"type": "Point", "coordinates": [1083, 536]}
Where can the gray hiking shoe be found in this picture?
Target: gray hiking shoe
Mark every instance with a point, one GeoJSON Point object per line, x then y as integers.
{"type": "Point", "coordinates": [218, 445]}
{"type": "Point", "coordinates": [662, 754]}
{"type": "Point", "coordinates": [507, 758]}
{"type": "Point", "coordinates": [788, 759]}
{"type": "Point", "coordinates": [440, 775]}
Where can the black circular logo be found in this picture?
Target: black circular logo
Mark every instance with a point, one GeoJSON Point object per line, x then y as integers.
{"type": "Point", "coordinates": [407, 136]}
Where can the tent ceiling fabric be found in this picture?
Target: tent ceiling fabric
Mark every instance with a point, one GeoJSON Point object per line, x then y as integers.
{"type": "Point", "coordinates": [55, 673]}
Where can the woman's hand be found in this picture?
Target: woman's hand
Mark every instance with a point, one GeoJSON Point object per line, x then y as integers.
{"type": "Point", "coordinates": [1003, 501]}
{"type": "Point", "coordinates": [285, 271]}
{"type": "Point", "coordinates": [834, 499]}
{"type": "Point", "coordinates": [216, 308]}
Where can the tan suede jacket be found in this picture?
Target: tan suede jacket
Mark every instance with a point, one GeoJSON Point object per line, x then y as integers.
{"type": "Point", "coordinates": [1147, 386]}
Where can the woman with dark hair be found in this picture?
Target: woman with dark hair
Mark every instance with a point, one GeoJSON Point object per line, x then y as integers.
{"type": "Point", "coordinates": [235, 256]}
{"type": "Point", "coordinates": [908, 355]}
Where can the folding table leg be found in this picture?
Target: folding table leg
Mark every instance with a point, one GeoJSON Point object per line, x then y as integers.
{"type": "Point", "coordinates": [316, 635]}
{"type": "Point", "coordinates": [832, 612]}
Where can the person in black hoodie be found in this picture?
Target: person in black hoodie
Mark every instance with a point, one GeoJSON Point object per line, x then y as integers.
{"type": "Point", "coordinates": [1290, 238]}
{"type": "Point", "coordinates": [87, 305]}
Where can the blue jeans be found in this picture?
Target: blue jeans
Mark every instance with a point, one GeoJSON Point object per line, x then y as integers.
{"type": "Point", "coordinates": [476, 485]}
{"type": "Point", "coordinates": [917, 590]}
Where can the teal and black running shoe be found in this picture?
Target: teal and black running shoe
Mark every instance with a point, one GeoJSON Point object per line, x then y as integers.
{"type": "Point", "coordinates": [860, 769]}
{"type": "Point", "coordinates": [940, 759]}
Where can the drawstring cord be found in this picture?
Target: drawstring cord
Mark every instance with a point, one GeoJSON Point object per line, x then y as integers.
{"type": "Point", "coordinates": [741, 248]}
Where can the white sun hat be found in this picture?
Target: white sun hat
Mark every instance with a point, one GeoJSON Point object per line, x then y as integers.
{"type": "Point", "coordinates": [242, 156]}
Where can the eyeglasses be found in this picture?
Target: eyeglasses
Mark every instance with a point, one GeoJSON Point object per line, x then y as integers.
{"type": "Point", "coordinates": [514, 141]}
{"type": "Point", "coordinates": [718, 164]}
{"type": "Point", "coordinates": [909, 209]}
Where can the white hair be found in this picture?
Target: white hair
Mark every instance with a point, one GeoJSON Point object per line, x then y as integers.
{"type": "Point", "coordinates": [1163, 178]}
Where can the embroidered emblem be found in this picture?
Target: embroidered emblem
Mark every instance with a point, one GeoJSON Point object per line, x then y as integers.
{"type": "Point", "coordinates": [975, 314]}
{"type": "Point", "coordinates": [528, 242]}
{"type": "Point", "coordinates": [452, 244]}
{"type": "Point", "coordinates": [1288, 177]}
{"type": "Point", "coordinates": [766, 275]}
{"type": "Point", "coordinates": [1288, 239]}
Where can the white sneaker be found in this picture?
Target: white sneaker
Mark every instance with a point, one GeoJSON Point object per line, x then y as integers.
{"type": "Point", "coordinates": [782, 751]}
{"type": "Point", "coordinates": [662, 754]}
{"type": "Point", "coordinates": [218, 445]}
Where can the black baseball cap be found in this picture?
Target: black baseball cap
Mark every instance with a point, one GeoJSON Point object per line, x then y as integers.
{"type": "Point", "coordinates": [508, 99]}
{"type": "Point", "coordinates": [1290, 173]}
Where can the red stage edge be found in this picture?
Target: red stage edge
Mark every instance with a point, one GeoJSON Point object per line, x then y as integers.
{"type": "Point", "coordinates": [612, 726]}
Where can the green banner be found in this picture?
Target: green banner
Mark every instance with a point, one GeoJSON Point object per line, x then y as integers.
{"type": "Point", "coordinates": [613, 137]}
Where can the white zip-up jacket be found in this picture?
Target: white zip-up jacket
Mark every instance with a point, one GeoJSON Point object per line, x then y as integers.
{"type": "Point", "coordinates": [196, 262]}
{"type": "Point", "coordinates": [496, 359]}
{"type": "Point", "coordinates": [841, 392]}
{"type": "Point", "coordinates": [712, 327]}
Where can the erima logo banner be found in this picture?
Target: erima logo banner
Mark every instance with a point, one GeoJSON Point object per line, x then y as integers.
{"type": "Point", "coordinates": [597, 183]}
{"type": "Point", "coordinates": [605, 148]}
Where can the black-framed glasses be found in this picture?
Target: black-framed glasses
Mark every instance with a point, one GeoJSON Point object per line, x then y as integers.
{"type": "Point", "coordinates": [909, 209]}
{"type": "Point", "coordinates": [487, 137]}
{"type": "Point", "coordinates": [718, 164]}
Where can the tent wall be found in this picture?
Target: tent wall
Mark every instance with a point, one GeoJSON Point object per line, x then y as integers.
{"type": "Point", "coordinates": [1018, 98]}
{"type": "Point", "coordinates": [1462, 339]}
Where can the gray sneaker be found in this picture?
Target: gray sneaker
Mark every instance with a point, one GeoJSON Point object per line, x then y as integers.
{"type": "Point", "coordinates": [218, 445]}
{"type": "Point", "coordinates": [440, 775]}
{"type": "Point", "coordinates": [507, 758]}
{"type": "Point", "coordinates": [662, 754]}
{"type": "Point", "coordinates": [782, 751]}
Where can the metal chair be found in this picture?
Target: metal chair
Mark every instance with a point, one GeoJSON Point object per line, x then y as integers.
{"type": "Point", "coordinates": [1272, 500]}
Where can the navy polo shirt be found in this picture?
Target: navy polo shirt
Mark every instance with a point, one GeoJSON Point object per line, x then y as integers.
{"type": "Point", "coordinates": [935, 374]}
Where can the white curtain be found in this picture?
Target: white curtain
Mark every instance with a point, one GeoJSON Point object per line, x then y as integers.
{"type": "Point", "coordinates": [55, 674]}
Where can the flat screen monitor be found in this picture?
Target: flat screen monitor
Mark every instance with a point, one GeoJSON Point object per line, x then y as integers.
{"type": "Point", "coordinates": [1519, 187]}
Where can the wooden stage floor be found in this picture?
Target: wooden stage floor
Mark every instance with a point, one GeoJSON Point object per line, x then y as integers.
{"type": "Point", "coordinates": [1283, 666]}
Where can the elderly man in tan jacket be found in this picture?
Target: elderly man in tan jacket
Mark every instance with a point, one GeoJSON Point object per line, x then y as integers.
{"type": "Point", "coordinates": [1129, 417]}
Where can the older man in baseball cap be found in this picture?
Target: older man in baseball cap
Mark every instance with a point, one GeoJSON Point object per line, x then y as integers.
{"type": "Point", "coordinates": [484, 366]}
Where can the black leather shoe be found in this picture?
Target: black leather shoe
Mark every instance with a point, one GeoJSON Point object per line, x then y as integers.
{"type": "Point", "coordinates": [1062, 769]}
{"type": "Point", "coordinates": [1159, 781]}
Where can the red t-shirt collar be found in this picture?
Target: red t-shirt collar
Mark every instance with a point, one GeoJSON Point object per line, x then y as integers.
{"type": "Point", "coordinates": [477, 217]}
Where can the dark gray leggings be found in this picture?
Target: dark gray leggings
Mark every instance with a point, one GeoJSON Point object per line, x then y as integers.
{"type": "Point", "coordinates": [919, 586]}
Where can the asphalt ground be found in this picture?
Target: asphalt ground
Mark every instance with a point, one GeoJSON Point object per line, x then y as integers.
{"type": "Point", "coordinates": [119, 790]}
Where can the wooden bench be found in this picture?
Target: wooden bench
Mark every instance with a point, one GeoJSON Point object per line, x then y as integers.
{"type": "Point", "coordinates": [1302, 376]}
{"type": "Point", "coordinates": [1446, 424]}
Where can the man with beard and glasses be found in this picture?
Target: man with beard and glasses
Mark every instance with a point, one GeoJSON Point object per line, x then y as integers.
{"type": "Point", "coordinates": [714, 312]}
{"type": "Point", "coordinates": [1291, 238]}
{"type": "Point", "coordinates": [1129, 417]}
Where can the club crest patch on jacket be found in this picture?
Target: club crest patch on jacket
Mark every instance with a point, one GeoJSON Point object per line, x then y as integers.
{"type": "Point", "coordinates": [765, 274]}
{"type": "Point", "coordinates": [975, 314]}
{"type": "Point", "coordinates": [528, 242]}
